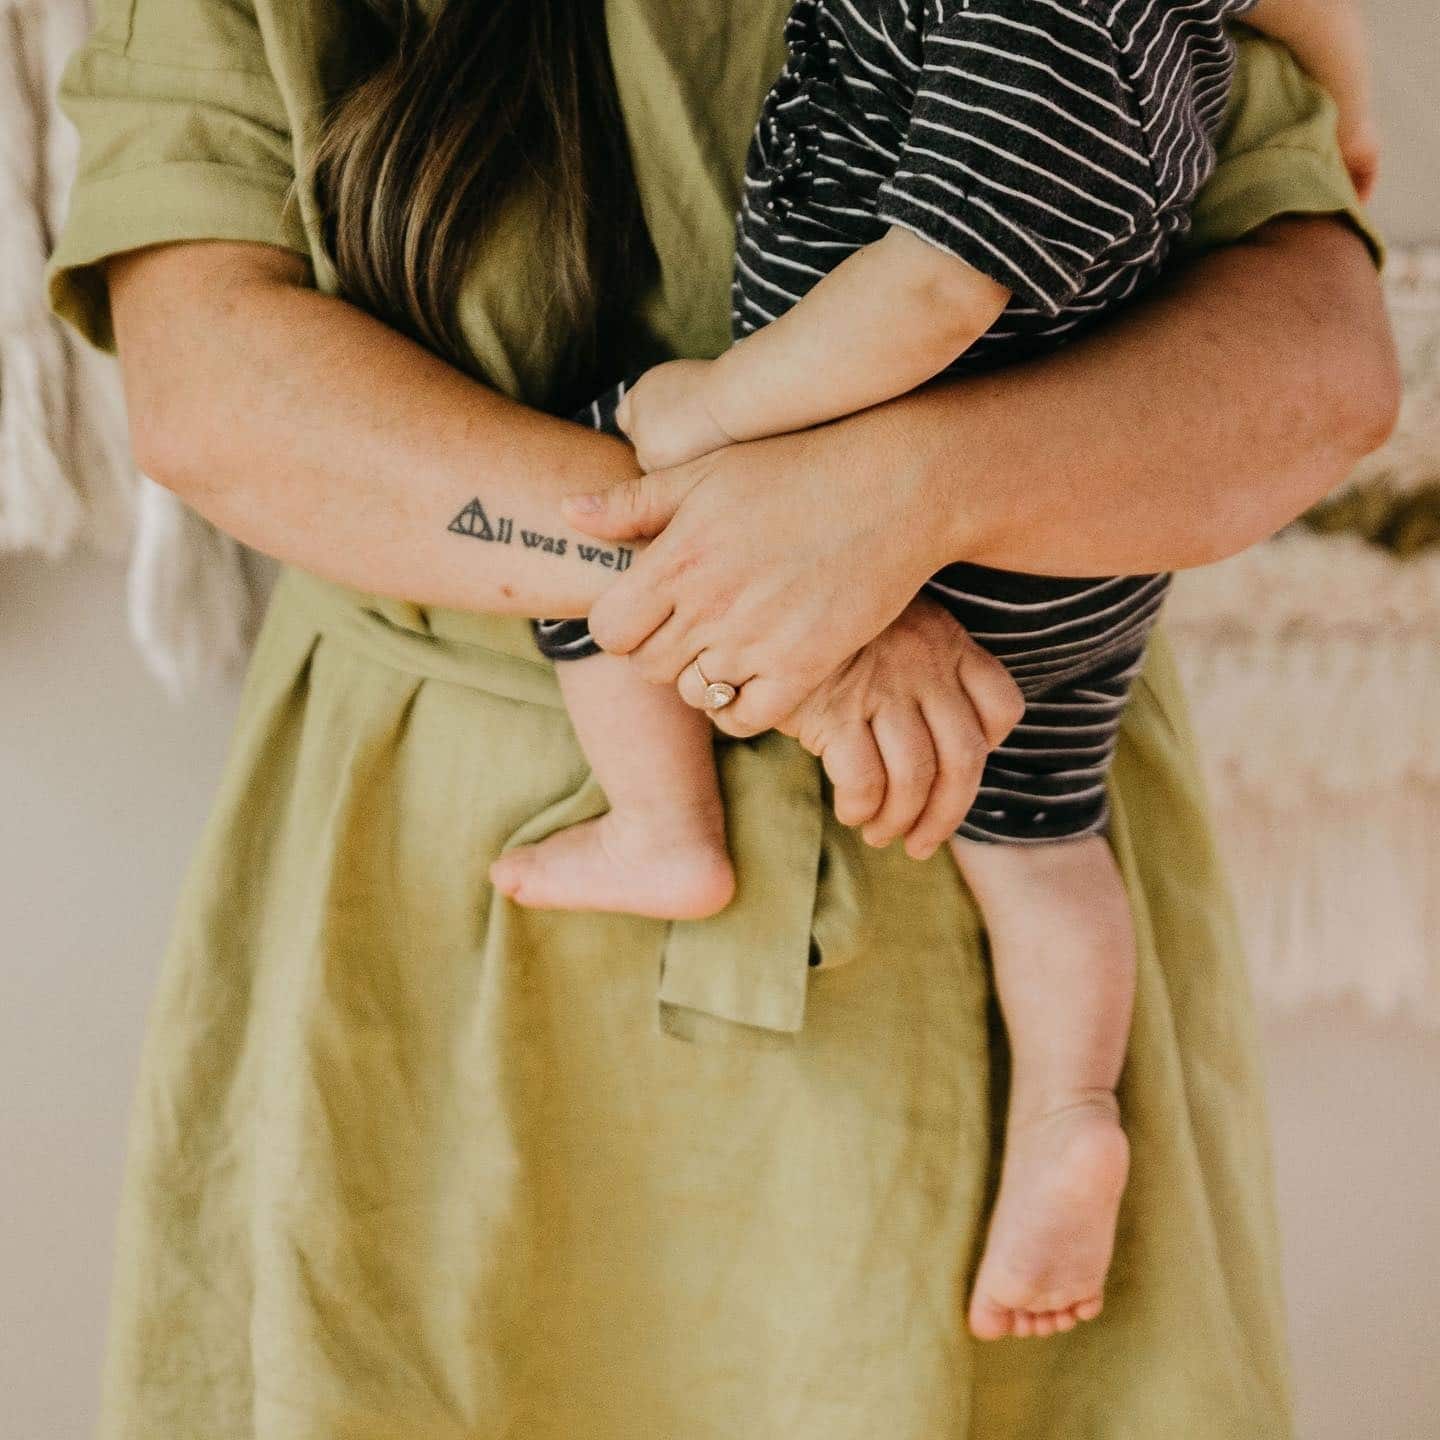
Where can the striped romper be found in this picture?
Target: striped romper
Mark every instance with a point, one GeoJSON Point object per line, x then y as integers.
{"type": "Point", "coordinates": [1056, 146]}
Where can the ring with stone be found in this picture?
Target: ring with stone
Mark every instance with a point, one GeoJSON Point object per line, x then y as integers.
{"type": "Point", "coordinates": [717, 694]}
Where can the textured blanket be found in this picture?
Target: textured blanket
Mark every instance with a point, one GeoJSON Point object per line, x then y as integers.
{"type": "Point", "coordinates": [66, 477]}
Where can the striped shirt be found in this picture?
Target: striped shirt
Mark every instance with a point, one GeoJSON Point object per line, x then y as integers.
{"type": "Point", "coordinates": [1054, 145]}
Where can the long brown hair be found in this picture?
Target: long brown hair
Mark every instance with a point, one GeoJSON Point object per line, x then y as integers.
{"type": "Point", "coordinates": [449, 118]}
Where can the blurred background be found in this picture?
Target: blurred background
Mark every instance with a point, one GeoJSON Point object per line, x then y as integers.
{"type": "Point", "coordinates": [1314, 670]}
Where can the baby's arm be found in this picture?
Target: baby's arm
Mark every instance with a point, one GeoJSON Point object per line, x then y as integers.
{"type": "Point", "coordinates": [888, 318]}
{"type": "Point", "coordinates": [1328, 38]}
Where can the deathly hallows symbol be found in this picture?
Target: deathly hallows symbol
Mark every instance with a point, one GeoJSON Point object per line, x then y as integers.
{"type": "Point", "coordinates": [472, 520]}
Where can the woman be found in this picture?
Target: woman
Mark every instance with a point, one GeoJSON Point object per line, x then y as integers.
{"type": "Point", "coordinates": [409, 1161]}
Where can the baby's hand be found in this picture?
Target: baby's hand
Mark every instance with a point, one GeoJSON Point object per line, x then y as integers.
{"type": "Point", "coordinates": [665, 418]}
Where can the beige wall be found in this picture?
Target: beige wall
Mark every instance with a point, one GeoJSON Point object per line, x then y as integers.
{"type": "Point", "coordinates": [1407, 66]}
{"type": "Point", "coordinates": [104, 786]}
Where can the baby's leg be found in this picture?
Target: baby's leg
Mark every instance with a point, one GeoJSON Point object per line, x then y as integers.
{"type": "Point", "coordinates": [1061, 934]}
{"type": "Point", "coordinates": [660, 849]}
{"type": "Point", "coordinates": [1063, 947]}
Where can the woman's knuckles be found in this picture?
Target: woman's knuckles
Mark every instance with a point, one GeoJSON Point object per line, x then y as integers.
{"type": "Point", "coordinates": [658, 657]}
{"type": "Point", "coordinates": [858, 780]}
{"type": "Point", "coordinates": [1010, 710]}
{"type": "Point", "coordinates": [604, 629]}
{"type": "Point", "coordinates": [742, 727]}
{"type": "Point", "coordinates": [966, 754]}
{"type": "Point", "coordinates": [683, 560]}
{"type": "Point", "coordinates": [749, 714]}
{"type": "Point", "coordinates": [992, 691]}
{"type": "Point", "coordinates": [613, 624]}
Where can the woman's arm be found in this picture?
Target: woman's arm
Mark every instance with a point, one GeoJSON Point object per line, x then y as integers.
{"type": "Point", "coordinates": [318, 435]}
{"type": "Point", "coordinates": [1192, 427]}
{"type": "Point", "coordinates": [1195, 424]}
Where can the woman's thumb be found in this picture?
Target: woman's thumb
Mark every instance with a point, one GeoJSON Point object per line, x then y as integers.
{"type": "Point", "coordinates": [636, 509]}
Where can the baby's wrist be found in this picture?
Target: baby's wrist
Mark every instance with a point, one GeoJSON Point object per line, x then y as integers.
{"type": "Point", "coordinates": [721, 401]}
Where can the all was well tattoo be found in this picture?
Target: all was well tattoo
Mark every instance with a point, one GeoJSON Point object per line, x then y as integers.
{"type": "Point", "coordinates": [473, 522]}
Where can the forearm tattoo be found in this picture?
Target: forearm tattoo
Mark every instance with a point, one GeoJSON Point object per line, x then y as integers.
{"type": "Point", "coordinates": [475, 524]}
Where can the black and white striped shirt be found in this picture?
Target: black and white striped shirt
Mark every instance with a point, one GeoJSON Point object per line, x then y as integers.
{"type": "Point", "coordinates": [1054, 145]}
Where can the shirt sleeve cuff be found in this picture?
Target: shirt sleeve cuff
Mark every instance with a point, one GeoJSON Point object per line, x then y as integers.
{"type": "Point", "coordinates": [1248, 190]}
{"type": "Point", "coordinates": [1008, 255]}
{"type": "Point", "coordinates": [112, 214]}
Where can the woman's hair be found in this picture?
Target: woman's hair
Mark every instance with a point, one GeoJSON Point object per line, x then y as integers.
{"type": "Point", "coordinates": [453, 115]}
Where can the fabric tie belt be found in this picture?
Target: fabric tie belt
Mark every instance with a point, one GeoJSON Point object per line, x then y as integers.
{"type": "Point", "coordinates": [750, 963]}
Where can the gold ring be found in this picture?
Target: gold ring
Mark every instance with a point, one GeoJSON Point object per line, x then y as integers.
{"type": "Point", "coordinates": [718, 694]}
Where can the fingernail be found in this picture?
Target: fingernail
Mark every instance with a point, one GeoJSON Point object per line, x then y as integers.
{"type": "Point", "coordinates": [584, 504]}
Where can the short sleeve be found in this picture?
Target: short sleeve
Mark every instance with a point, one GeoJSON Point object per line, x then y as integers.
{"type": "Point", "coordinates": [1277, 154]}
{"type": "Point", "coordinates": [183, 136]}
{"type": "Point", "coordinates": [1024, 155]}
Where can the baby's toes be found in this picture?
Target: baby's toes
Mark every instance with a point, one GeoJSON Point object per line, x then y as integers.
{"type": "Point", "coordinates": [989, 1321]}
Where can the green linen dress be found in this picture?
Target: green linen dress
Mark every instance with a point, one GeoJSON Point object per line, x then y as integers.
{"type": "Point", "coordinates": [407, 1161]}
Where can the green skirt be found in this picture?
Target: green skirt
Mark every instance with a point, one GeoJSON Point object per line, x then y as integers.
{"type": "Point", "coordinates": [407, 1161]}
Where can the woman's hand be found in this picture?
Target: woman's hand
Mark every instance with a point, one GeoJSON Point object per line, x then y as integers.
{"type": "Point", "coordinates": [903, 728]}
{"type": "Point", "coordinates": [783, 558]}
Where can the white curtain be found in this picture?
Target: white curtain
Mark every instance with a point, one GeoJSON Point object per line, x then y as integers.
{"type": "Point", "coordinates": [66, 477]}
{"type": "Point", "coordinates": [1313, 670]}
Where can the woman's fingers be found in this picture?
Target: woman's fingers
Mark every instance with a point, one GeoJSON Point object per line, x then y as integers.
{"type": "Point", "coordinates": [665, 652]}
{"type": "Point", "coordinates": [626, 615]}
{"type": "Point", "coordinates": [857, 773]}
{"type": "Point", "coordinates": [691, 687]}
{"type": "Point", "coordinates": [757, 708]}
{"type": "Point", "coordinates": [636, 509]}
{"type": "Point", "coordinates": [911, 765]}
{"type": "Point", "coordinates": [761, 705]}
{"type": "Point", "coordinates": [992, 690]}
{"type": "Point", "coordinates": [961, 749]}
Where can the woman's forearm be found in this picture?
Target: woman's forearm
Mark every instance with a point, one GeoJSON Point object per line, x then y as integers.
{"type": "Point", "coordinates": [1196, 424]}
{"type": "Point", "coordinates": [314, 433]}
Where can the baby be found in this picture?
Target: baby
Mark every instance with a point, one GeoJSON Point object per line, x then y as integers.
{"type": "Point", "coordinates": [941, 186]}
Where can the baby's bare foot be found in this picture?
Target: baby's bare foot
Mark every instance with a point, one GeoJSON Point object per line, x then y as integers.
{"type": "Point", "coordinates": [1053, 1230]}
{"type": "Point", "coordinates": [633, 865]}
